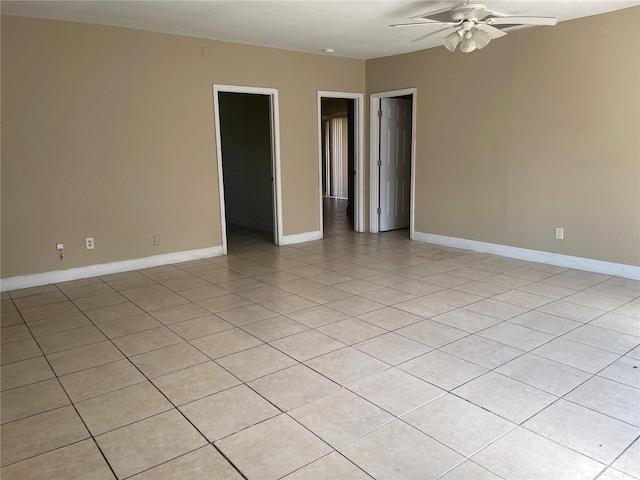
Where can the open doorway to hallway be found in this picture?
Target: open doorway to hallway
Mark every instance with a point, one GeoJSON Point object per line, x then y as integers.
{"type": "Point", "coordinates": [338, 142]}
{"type": "Point", "coordinates": [340, 151]}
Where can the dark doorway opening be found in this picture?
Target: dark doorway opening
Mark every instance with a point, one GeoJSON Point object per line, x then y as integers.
{"type": "Point", "coordinates": [247, 165]}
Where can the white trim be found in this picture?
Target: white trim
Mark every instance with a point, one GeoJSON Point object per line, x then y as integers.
{"type": "Point", "coordinates": [358, 194]}
{"type": "Point", "coordinates": [374, 136]}
{"type": "Point", "coordinates": [579, 263]}
{"type": "Point", "coordinates": [302, 237]}
{"type": "Point", "coordinates": [275, 142]}
{"type": "Point", "coordinates": [275, 155]}
{"type": "Point", "coordinates": [56, 276]}
{"type": "Point", "coordinates": [216, 119]}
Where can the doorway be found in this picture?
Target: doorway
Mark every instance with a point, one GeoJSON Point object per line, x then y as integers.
{"type": "Point", "coordinates": [337, 151]}
{"type": "Point", "coordinates": [340, 152]}
{"type": "Point", "coordinates": [248, 162]}
{"type": "Point", "coordinates": [392, 160]}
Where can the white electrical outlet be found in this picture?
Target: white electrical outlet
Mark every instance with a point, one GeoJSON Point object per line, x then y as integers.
{"type": "Point", "coordinates": [89, 243]}
{"type": "Point", "coordinates": [559, 233]}
{"type": "Point", "coordinates": [59, 246]}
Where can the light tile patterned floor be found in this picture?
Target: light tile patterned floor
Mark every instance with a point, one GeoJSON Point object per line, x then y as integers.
{"type": "Point", "coordinates": [357, 356]}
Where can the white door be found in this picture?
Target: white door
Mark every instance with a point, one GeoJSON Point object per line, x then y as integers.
{"type": "Point", "coordinates": [395, 163]}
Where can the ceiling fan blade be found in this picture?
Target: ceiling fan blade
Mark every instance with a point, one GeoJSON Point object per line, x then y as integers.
{"type": "Point", "coordinates": [493, 31]}
{"type": "Point", "coordinates": [430, 34]}
{"type": "Point", "coordinates": [415, 24]}
{"type": "Point", "coordinates": [521, 21]}
{"type": "Point", "coordinates": [438, 16]}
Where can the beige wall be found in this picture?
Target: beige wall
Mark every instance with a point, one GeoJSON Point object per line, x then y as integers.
{"type": "Point", "coordinates": [108, 133]}
{"type": "Point", "coordinates": [539, 130]}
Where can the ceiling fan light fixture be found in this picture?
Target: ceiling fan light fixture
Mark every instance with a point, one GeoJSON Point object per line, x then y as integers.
{"type": "Point", "coordinates": [468, 45]}
{"type": "Point", "coordinates": [473, 25]}
{"type": "Point", "coordinates": [452, 40]}
{"type": "Point", "coordinates": [481, 38]}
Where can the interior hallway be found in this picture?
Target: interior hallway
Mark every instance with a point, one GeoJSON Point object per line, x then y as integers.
{"type": "Point", "coordinates": [356, 356]}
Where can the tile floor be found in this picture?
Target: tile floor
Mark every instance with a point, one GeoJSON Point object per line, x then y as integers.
{"type": "Point", "coordinates": [358, 356]}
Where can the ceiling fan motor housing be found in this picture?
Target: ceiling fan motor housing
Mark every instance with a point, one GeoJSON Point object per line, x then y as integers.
{"type": "Point", "coordinates": [469, 11]}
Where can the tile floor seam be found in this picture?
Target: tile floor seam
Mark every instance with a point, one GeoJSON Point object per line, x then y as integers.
{"type": "Point", "coordinates": [469, 457]}
{"type": "Point", "coordinates": [584, 345]}
{"type": "Point", "coordinates": [583, 406]}
{"type": "Point", "coordinates": [324, 456]}
{"type": "Point", "coordinates": [604, 465]}
{"type": "Point", "coordinates": [624, 451]}
{"type": "Point", "coordinates": [45, 452]}
{"type": "Point", "coordinates": [174, 407]}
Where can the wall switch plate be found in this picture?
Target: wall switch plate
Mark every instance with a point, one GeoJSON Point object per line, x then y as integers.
{"type": "Point", "coordinates": [156, 239]}
{"type": "Point", "coordinates": [559, 233]}
{"type": "Point", "coordinates": [89, 243]}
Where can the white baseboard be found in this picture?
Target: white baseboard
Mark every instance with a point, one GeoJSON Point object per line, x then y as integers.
{"type": "Point", "coordinates": [56, 276]}
{"type": "Point", "coordinates": [301, 237]}
{"type": "Point", "coordinates": [579, 263]}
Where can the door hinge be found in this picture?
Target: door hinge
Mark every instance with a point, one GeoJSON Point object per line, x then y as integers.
{"type": "Point", "coordinates": [380, 113]}
{"type": "Point", "coordinates": [379, 163]}
{"type": "Point", "coordinates": [379, 210]}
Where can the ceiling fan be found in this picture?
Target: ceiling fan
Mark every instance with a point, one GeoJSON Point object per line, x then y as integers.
{"type": "Point", "coordinates": [473, 25]}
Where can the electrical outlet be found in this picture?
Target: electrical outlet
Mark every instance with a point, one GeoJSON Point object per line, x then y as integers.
{"type": "Point", "coordinates": [156, 240]}
{"type": "Point", "coordinates": [559, 233]}
{"type": "Point", "coordinates": [59, 246]}
{"type": "Point", "coordinates": [89, 243]}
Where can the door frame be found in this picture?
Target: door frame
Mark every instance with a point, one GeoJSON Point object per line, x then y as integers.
{"type": "Point", "coordinates": [358, 182]}
{"type": "Point", "coordinates": [272, 93]}
{"type": "Point", "coordinates": [374, 149]}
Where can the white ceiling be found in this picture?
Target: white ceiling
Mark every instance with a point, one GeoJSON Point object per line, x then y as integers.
{"type": "Point", "coordinates": [354, 28]}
